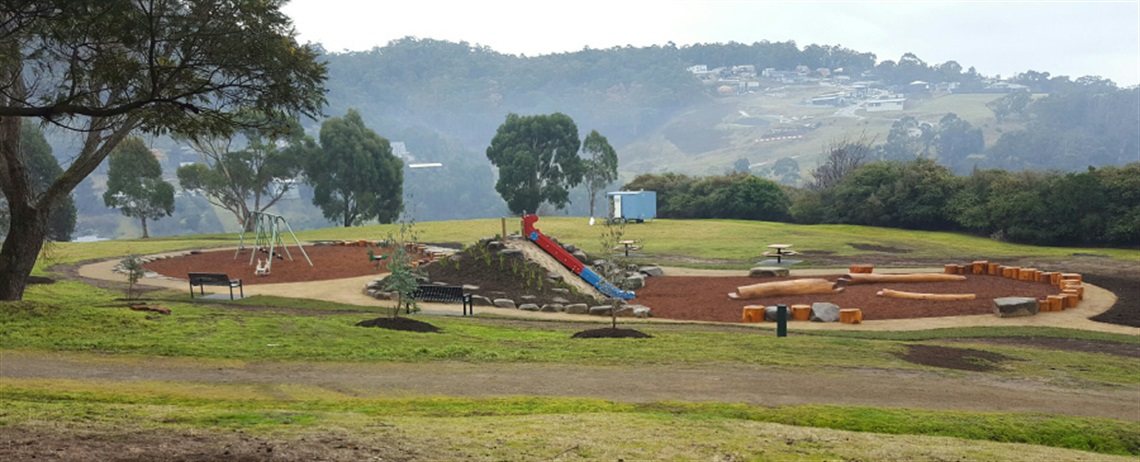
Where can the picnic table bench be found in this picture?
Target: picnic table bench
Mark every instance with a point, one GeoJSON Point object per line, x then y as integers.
{"type": "Point", "coordinates": [444, 294]}
{"type": "Point", "coordinates": [628, 246]}
{"type": "Point", "coordinates": [214, 279]}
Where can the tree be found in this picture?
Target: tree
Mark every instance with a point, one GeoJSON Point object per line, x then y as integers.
{"type": "Point", "coordinates": [537, 158]}
{"type": "Point", "coordinates": [908, 139]}
{"type": "Point", "coordinates": [135, 185]}
{"type": "Point", "coordinates": [956, 140]}
{"type": "Point", "coordinates": [43, 169]}
{"type": "Point", "coordinates": [1013, 103]}
{"type": "Point", "coordinates": [843, 156]}
{"type": "Point", "coordinates": [354, 174]}
{"type": "Point", "coordinates": [261, 172]}
{"type": "Point", "coordinates": [105, 69]}
{"type": "Point", "coordinates": [600, 169]}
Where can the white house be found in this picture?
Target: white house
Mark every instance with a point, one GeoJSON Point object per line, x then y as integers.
{"type": "Point", "coordinates": [883, 105]}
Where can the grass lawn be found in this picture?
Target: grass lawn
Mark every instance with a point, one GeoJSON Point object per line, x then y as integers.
{"type": "Point", "coordinates": [72, 317]}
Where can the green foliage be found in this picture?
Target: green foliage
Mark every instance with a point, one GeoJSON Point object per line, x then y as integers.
{"type": "Point", "coordinates": [537, 158]}
{"type": "Point", "coordinates": [132, 264]}
{"type": "Point", "coordinates": [354, 174]}
{"type": "Point", "coordinates": [404, 275]}
{"type": "Point", "coordinates": [261, 171]}
{"type": "Point", "coordinates": [1012, 104]}
{"type": "Point", "coordinates": [600, 167]}
{"type": "Point", "coordinates": [43, 169]}
{"type": "Point", "coordinates": [893, 194]}
{"type": "Point", "coordinates": [735, 195]}
{"type": "Point", "coordinates": [135, 185]}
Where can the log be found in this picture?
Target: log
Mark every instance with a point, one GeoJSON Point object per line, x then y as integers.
{"type": "Point", "coordinates": [861, 269]}
{"type": "Point", "coordinates": [910, 277]}
{"type": "Point", "coordinates": [794, 287]}
{"type": "Point", "coordinates": [924, 296]}
{"type": "Point", "coordinates": [950, 268]}
{"type": "Point", "coordinates": [851, 316]}
{"type": "Point", "coordinates": [993, 269]}
{"type": "Point", "coordinates": [979, 266]}
{"type": "Point", "coordinates": [801, 312]}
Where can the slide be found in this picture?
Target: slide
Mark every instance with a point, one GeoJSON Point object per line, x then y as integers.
{"type": "Point", "coordinates": [569, 261]}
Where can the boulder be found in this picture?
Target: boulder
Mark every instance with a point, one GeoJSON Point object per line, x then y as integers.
{"type": "Point", "coordinates": [512, 252]}
{"type": "Point", "coordinates": [495, 245]}
{"type": "Point", "coordinates": [571, 248]}
{"type": "Point", "coordinates": [503, 303]}
{"type": "Point", "coordinates": [651, 271]}
{"type": "Point", "coordinates": [560, 290]}
{"type": "Point", "coordinates": [528, 307]}
{"type": "Point", "coordinates": [559, 300]}
{"type": "Point", "coordinates": [580, 255]}
{"type": "Point", "coordinates": [770, 313]}
{"type": "Point", "coordinates": [553, 308]}
{"type": "Point", "coordinates": [824, 312]}
{"type": "Point", "coordinates": [467, 288]}
{"type": "Point", "coordinates": [600, 310]}
{"type": "Point", "coordinates": [767, 272]}
{"type": "Point", "coordinates": [479, 300]}
{"type": "Point", "coordinates": [553, 276]}
{"type": "Point", "coordinates": [577, 308]}
{"type": "Point", "coordinates": [1008, 307]}
{"type": "Point", "coordinates": [528, 298]}
{"type": "Point", "coordinates": [637, 311]}
{"type": "Point", "coordinates": [634, 282]}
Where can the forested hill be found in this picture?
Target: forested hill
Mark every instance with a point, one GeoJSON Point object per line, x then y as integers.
{"type": "Point", "coordinates": [664, 115]}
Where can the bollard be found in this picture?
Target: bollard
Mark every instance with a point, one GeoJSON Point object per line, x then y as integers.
{"type": "Point", "coordinates": [781, 320]}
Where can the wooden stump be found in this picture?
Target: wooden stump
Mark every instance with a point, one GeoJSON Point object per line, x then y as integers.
{"type": "Point", "coordinates": [1045, 276]}
{"type": "Point", "coordinates": [1043, 305]}
{"type": "Point", "coordinates": [1071, 299]}
{"type": "Point", "coordinates": [979, 267]}
{"type": "Point", "coordinates": [861, 269]}
{"type": "Point", "coordinates": [993, 269]}
{"type": "Point", "coordinates": [753, 313]}
{"type": "Point", "coordinates": [1070, 277]}
{"type": "Point", "coordinates": [850, 316]}
{"type": "Point", "coordinates": [950, 268]}
{"type": "Point", "coordinates": [801, 312]}
{"type": "Point", "coordinates": [1056, 302]}
{"type": "Point", "coordinates": [1077, 287]}
{"type": "Point", "coordinates": [909, 277]}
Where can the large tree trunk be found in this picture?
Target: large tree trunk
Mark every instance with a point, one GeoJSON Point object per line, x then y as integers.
{"type": "Point", "coordinates": [21, 248]}
{"type": "Point", "coordinates": [145, 234]}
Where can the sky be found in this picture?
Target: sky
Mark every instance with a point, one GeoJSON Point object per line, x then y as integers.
{"type": "Point", "coordinates": [1075, 38]}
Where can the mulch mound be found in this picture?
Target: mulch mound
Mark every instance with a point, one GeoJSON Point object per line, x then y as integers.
{"type": "Point", "coordinates": [609, 332]}
{"type": "Point", "coordinates": [1126, 311]}
{"type": "Point", "coordinates": [329, 262]}
{"type": "Point", "coordinates": [400, 324]}
{"type": "Point", "coordinates": [965, 359]}
{"type": "Point", "coordinates": [697, 298]}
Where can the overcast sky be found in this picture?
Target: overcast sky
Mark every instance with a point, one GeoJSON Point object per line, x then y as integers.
{"type": "Point", "coordinates": [1064, 38]}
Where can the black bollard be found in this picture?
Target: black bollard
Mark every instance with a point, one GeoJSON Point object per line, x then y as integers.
{"type": "Point", "coordinates": [781, 320]}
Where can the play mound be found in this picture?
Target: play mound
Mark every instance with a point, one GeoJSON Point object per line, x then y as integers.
{"type": "Point", "coordinates": [705, 298]}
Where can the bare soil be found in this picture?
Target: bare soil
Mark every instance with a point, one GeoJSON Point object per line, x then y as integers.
{"type": "Point", "coordinates": [329, 262]}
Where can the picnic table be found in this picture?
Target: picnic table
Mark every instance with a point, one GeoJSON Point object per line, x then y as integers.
{"type": "Point", "coordinates": [627, 246]}
{"type": "Point", "coordinates": [781, 251]}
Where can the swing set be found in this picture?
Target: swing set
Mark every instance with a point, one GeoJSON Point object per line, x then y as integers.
{"type": "Point", "coordinates": [266, 237]}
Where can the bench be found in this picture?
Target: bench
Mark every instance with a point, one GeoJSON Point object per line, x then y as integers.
{"type": "Point", "coordinates": [214, 279]}
{"type": "Point", "coordinates": [444, 294]}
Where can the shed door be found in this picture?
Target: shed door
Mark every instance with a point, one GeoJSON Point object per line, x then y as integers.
{"type": "Point", "coordinates": [617, 206]}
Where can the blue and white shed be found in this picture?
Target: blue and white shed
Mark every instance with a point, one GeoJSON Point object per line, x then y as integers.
{"type": "Point", "coordinates": [632, 205]}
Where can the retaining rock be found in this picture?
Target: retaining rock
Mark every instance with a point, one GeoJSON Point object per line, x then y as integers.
{"type": "Point", "coordinates": [824, 312]}
{"type": "Point", "coordinates": [651, 271]}
{"type": "Point", "coordinates": [767, 272]}
{"type": "Point", "coordinates": [577, 308]}
{"type": "Point", "coordinates": [504, 303]}
{"type": "Point", "coordinates": [1009, 307]}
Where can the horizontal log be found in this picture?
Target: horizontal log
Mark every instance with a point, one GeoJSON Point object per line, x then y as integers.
{"type": "Point", "coordinates": [909, 277]}
{"type": "Point", "coordinates": [924, 296]}
{"type": "Point", "coordinates": [794, 287]}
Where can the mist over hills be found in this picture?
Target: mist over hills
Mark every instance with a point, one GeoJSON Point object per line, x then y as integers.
{"type": "Point", "coordinates": [700, 110]}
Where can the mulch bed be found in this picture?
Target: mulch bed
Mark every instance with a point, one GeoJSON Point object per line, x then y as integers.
{"type": "Point", "coordinates": [400, 324]}
{"type": "Point", "coordinates": [699, 298]}
{"type": "Point", "coordinates": [966, 359]}
{"type": "Point", "coordinates": [609, 332]}
{"type": "Point", "coordinates": [329, 262]}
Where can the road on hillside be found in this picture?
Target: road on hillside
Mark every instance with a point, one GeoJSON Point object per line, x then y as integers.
{"type": "Point", "coordinates": [759, 385]}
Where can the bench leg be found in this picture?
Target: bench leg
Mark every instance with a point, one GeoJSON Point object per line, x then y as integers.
{"type": "Point", "coordinates": [191, 291]}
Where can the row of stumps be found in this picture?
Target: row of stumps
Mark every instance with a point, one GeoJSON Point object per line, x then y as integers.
{"type": "Point", "coordinates": [1071, 284]}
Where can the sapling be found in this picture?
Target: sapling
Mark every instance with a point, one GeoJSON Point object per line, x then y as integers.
{"type": "Point", "coordinates": [132, 265]}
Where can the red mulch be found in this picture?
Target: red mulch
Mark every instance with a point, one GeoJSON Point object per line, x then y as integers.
{"type": "Point", "coordinates": [329, 262]}
{"type": "Point", "coordinates": [706, 298]}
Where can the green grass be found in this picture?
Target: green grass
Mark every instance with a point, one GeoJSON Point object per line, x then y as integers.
{"type": "Point", "coordinates": [235, 407]}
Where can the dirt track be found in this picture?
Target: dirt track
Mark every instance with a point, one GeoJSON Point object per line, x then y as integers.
{"type": "Point", "coordinates": [768, 386]}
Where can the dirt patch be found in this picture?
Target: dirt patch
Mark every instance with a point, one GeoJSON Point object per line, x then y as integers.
{"type": "Point", "coordinates": [964, 359]}
{"type": "Point", "coordinates": [500, 275]}
{"type": "Point", "coordinates": [877, 248]}
{"type": "Point", "coordinates": [400, 324]}
{"type": "Point", "coordinates": [699, 298]}
{"type": "Point", "coordinates": [609, 332]}
{"type": "Point", "coordinates": [40, 280]}
{"type": "Point", "coordinates": [1126, 311]}
{"type": "Point", "coordinates": [1129, 350]}
{"type": "Point", "coordinates": [66, 445]}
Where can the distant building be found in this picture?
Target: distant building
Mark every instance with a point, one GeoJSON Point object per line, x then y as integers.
{"type": "Point", "coordinates": [884, 105]}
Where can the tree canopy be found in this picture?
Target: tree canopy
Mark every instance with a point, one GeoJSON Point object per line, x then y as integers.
{"type": "Point", "coordinates": [135, 185]}
{"type": "Point", "coordinates": [600, 165]}
{"type": "Point", "coordinates": [355, 176]}
{"type": "Point", "coordinates": [107, 68]}
{"type": "Point", "coordinates": [537, 158]}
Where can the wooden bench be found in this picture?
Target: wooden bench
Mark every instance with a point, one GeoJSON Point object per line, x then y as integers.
{"type": "Point", "coordinates": [444, 294]}
{"type": "Point", "coordinates": [214, 279]}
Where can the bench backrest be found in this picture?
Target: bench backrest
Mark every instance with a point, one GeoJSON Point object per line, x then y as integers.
{"type": "Point", "coordinates": [209, 278]}
{"type": "Point", "coordinates": [434, 293]}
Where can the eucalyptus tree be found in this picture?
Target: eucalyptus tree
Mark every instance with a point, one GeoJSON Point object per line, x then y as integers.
{"type": "Point", "coordinates": [107, 68]}
{"type": "Point", "coordinates": [135, 185]}
{"type": "Point", "coordinates": [537, 158]}
{"type": "Point", "coordinates": [600, 167]}
{"type": "Point", "coordinates": [355, 176]}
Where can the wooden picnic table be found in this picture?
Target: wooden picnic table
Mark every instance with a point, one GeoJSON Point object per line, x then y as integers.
{"type": "Point", "coordinates": [782, 250]}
